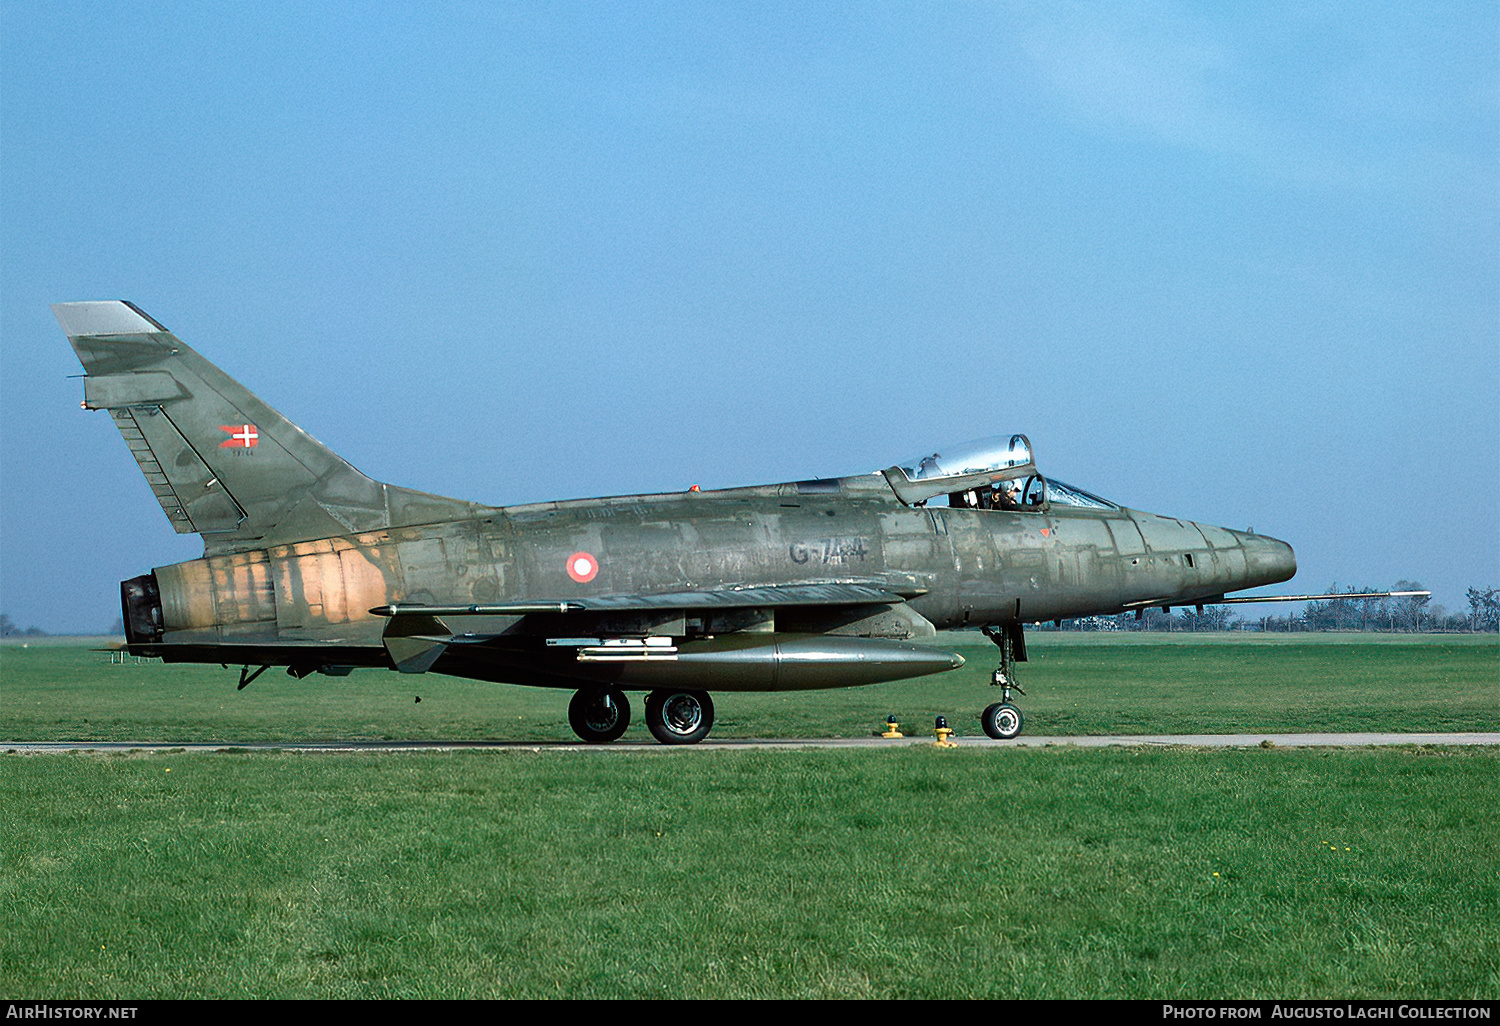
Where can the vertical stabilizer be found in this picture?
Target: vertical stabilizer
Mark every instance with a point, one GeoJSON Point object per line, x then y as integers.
{"type": "Point", "coordinates": [221, 462]}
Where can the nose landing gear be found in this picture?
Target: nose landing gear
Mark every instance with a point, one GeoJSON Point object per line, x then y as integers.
{"type": "Point", "coordinates": [1002, 720]}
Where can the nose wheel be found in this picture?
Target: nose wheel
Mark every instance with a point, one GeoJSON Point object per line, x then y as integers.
{"type": "Point", "coordinates": [1001, 721]}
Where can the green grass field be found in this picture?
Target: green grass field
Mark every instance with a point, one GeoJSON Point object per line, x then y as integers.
{"type": "Point", "coordinates": [1076, 684]}
{"type": "Point", "coordinates": [911, 872]}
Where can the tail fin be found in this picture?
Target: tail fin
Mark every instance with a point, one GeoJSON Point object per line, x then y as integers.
{"type": "Point", "coordinates": [222, 463]}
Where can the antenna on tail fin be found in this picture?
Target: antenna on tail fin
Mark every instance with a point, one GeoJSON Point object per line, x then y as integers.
{"type": "Point", "coordinates": [221, 462]}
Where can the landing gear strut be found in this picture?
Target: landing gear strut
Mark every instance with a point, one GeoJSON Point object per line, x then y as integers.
{"type": "Point", "coordinates": [1002, 720]}
{"type": "Point", "coordinates": [599, 715]}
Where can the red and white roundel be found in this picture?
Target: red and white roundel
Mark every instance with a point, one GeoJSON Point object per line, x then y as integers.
{"type": "Point", "coordinates": [582, 567]}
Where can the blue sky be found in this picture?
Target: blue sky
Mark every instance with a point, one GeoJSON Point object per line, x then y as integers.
{"type": "Point", "coordinates": [1239, 263]}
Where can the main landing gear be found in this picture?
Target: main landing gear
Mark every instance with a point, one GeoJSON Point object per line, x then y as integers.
{"type": "Point", "coordinates": [679, 717]}
{"type": "Point", "coordinates": [599, 715]}
{"type": "Point", "coordinates": [1002, 720]}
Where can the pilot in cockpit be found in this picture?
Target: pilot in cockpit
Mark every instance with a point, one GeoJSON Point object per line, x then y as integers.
{"type": "Point", "coordinates": [1005, 495]}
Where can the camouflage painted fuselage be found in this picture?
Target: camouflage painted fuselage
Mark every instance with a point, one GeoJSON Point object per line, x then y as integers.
{"type": "Point", "coordinates": [312, 600]}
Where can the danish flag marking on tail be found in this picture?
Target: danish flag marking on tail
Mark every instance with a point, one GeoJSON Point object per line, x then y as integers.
{"type": "Point", "coordinates": [241, 436]}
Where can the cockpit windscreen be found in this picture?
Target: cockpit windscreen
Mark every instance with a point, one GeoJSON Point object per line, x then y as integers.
{"type": "Point", "coordinates": [1066, 495]}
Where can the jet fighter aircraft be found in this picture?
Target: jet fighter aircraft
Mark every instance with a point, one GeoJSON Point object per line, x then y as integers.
{"type": "Point", "coordinates": [311, 565]}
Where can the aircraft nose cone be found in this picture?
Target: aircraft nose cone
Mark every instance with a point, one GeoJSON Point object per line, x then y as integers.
{"type": "Point", "coordinates": [1271, 561]}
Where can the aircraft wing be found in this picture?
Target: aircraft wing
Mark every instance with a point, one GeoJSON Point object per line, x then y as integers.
{"type": "Point", "coordinates": [753, 597]}
{"type": "Point", "coordinates": [416, 635]}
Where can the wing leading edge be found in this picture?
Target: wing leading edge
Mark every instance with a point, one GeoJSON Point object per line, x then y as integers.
{"type": "Point", "coordinates": [757, 597]}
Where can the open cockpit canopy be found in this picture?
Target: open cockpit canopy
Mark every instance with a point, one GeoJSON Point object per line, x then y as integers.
{"type": "Point", "coordinates": [954, 468]}
{"type": "Point", "coordinates": [988, 473]}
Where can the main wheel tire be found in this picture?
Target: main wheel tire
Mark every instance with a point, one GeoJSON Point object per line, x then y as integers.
{"type": "Point", "coordinates": [679, 717]}
{"type": "Point", "coordinates": [599, 715]}
{"type": "Point", "coordinates": [1001, 721]}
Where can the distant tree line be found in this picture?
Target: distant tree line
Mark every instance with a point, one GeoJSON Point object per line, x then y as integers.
{"type": "Point", "coordinates": [9, 630]}
{"type": "Point", "coordinates": [1406, 615]}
